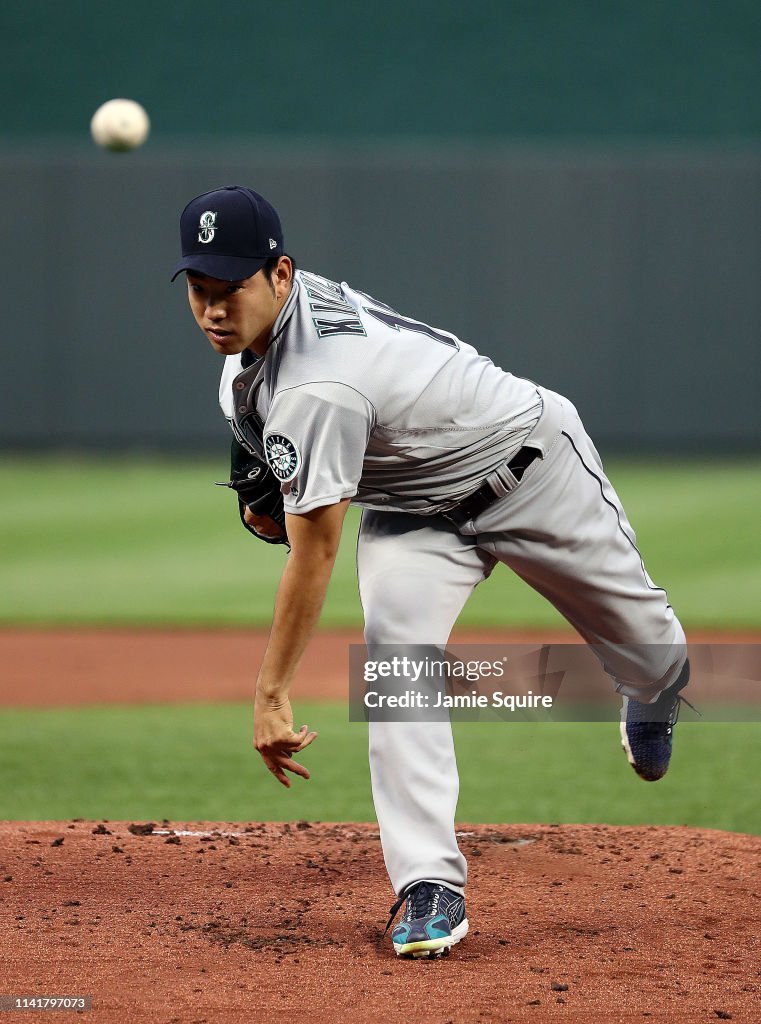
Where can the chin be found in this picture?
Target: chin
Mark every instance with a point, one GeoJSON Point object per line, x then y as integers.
{"type": "Point", "coordinates": [232, 348]}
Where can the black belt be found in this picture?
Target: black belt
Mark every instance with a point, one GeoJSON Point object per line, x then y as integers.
{"type": "Point", "coordinates": [479, 500]}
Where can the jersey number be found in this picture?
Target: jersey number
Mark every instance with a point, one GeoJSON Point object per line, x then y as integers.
{"type": "Point", "coordinates": [391, 319]}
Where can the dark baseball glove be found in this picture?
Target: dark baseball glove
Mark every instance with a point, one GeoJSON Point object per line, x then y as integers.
{"type": "Point", "coordinates": [257, 488]}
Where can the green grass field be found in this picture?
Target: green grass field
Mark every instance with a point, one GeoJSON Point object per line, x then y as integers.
{"type": "Point", "coordinates": [144, 541]}
{"type": "Point", "coordinates": [196, 762]}
{"type": "Point", "coordinates": [147, 541]}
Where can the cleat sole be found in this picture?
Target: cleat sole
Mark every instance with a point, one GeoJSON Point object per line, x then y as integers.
{"type": "Point", "coordinates": [431, 948]}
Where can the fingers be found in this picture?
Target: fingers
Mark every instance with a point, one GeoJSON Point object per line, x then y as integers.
{"type": "Point", "coordinates": [296, 741]}
{"type": "Point", "coordinates": [280, 775]}
{"type": "Point", "coordinates": [278, 758]}
{"type": "Point", "coordinates": [262, 524]}
{"type": "Point", "coordinates": [304, 737]}
{"type": "Point", "coordinates": [278, 762]}
{"type": "Point", "coordinates": [295, 767]}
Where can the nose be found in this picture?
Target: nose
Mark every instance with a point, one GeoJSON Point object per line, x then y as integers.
{"type": "Point", "coordinates": [216, 311]}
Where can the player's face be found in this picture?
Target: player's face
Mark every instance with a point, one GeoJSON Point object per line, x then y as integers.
{"type": "Point", "coordinates": [235, 315]}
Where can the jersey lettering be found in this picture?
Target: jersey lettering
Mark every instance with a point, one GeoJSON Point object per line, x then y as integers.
{"type": "Point", "coordinates": [332, 307]}
{"type": "Point", "coordinates": [391, 319]}
{"type": "Point", "coordinates": [313, 281]}
{"type": "Point", "coordinates": [329, 328]}
{"type": "Point", "coordinates": [328, 298]}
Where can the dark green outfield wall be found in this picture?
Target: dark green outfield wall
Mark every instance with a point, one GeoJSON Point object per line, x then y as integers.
{"type": "Point", "coordinates": [629, 281]}
{"type": "Point", "coordinates": [573, 186]}
{"type": "Point", "coordinates": [527, 68]}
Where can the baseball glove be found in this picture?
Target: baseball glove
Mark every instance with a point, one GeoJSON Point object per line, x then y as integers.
{"type": "Point", "coordinates": [257, 488]}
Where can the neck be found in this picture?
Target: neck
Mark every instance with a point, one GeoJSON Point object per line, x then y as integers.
{"type": "Point", "coordinates": [260, 345]}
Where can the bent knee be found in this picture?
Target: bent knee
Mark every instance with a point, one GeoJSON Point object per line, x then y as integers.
{"type": "Point", "coordinates": [650, 668]}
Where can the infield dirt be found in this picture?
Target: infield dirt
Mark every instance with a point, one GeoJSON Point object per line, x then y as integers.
{"type": "Point", "coordinates": [70, 667]}
{"type": "Point", "coordinates": [207, 922]}
{"type": "Point", "coordinates": [230, 923]}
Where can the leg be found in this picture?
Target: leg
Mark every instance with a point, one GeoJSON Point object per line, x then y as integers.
{"type": "Point", "coordinates": [415, 575]}
{"type": "Point", "coordinates": [563, 529]}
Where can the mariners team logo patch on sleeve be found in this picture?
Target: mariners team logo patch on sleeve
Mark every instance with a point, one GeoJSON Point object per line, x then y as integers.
{"type": "Point", "coordinates": [282, 456]}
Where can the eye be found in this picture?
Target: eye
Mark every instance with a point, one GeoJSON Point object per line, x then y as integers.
{"type": "Point", "coordinates": [233, 288]}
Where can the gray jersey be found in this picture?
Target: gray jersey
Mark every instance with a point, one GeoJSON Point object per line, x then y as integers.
{"type": "Point", "coordinates": [359, 402]}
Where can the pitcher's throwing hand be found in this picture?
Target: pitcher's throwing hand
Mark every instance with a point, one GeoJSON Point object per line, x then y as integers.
{"type": "Point", "coordinates": [276, 741]}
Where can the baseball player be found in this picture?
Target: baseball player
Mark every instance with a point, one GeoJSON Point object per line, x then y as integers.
{"type": "Point", "coordinates": [335, 397]}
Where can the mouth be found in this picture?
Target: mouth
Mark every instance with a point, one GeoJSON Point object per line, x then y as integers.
{"type": "Point", "coordinates": [218, 335]}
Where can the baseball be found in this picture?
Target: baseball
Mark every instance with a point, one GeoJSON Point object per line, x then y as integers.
{"type": "Point", "coordinates": [120, 125]}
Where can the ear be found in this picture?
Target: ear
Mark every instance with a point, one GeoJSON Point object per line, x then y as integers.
{"type": "Point", "coordinates": [283, 276]}
{"type": "Point", "coordinates": [284, 269]}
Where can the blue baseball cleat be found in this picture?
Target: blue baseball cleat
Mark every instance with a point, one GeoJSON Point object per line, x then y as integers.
{"type": "Point", "coordinates": [433, 920]}
{"type": "Point", "coordinates": [647, 729]}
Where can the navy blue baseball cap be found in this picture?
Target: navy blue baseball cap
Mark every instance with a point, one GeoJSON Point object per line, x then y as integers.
{"type": "Point", "coordinates": [229, 234]}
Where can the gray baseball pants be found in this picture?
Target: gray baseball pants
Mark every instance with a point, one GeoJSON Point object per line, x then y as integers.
{"type": "Point", "coordinates": [563, 530]}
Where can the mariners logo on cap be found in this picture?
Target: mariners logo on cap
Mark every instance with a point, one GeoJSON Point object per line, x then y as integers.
{"type": "Point", "coordinates": [282, 456]}
{"type": "Point", "coordinates": [207, 225]}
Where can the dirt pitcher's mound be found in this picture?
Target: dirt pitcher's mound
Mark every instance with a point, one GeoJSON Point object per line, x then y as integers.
{"type": "Point", "coordinates": [216, 923]}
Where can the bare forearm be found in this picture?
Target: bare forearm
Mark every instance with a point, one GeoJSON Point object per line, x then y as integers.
{"type": "Point", "coordinates": [298, 604]}
{"type": "Point", "coordinates": [314, 540]}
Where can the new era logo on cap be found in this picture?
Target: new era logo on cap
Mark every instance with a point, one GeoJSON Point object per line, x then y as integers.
{"type": "Point", "coordinates": [228, 234]}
